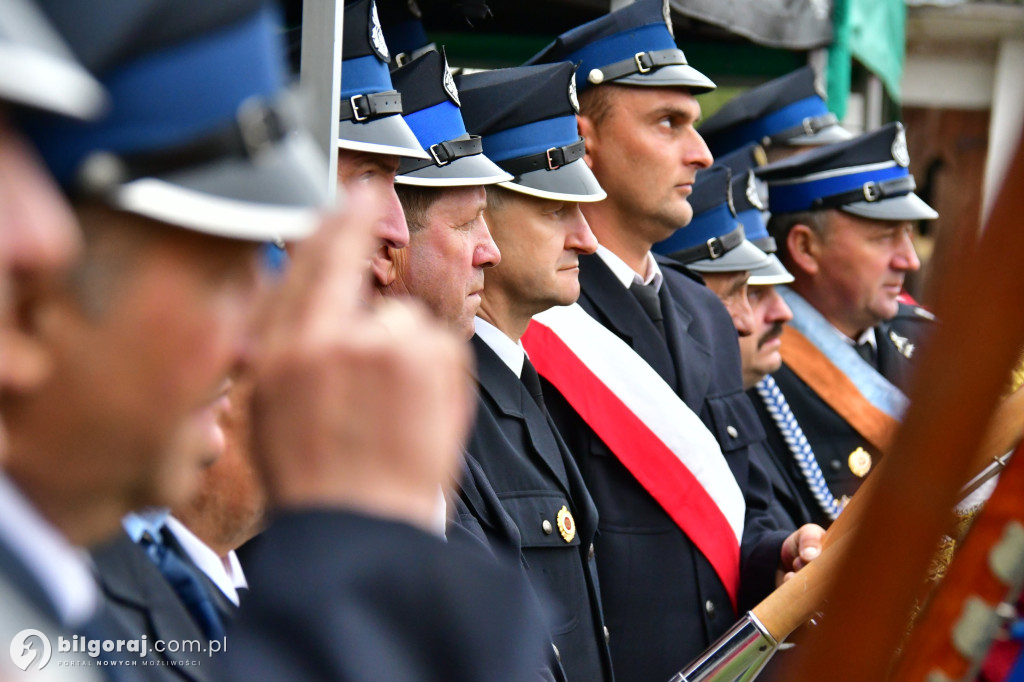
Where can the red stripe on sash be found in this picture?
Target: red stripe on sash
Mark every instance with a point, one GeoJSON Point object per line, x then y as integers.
{"type": "Point", "coordinates": [650, 461]}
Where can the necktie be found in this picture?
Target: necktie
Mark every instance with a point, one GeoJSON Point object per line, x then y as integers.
{"type": "Point", "coordinates": [651, 303]}
{"type": "Point", "coordinates": [187, 585]}
{"type": "Point", "coordinates": [866, 351]}
{"type": "Point", "coordinates": [531, 380]}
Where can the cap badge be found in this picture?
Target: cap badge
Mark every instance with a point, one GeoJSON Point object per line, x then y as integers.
{"type": "Point", "coordinates": [377, 35]}
{"type": "Point", "coordinates": [902, 343]}
{"type": "Point", "coordinates": [760, 156]}
{"type": "Point", "coordinates": [666, 12]}
{"type": "Point", "coordinates": [752, 194]}
{"type": "Point", "coordinates": [573, 99]}
{"type": "Point", "coordinates": [449, 84]}
{"type": "Point", "coordinates": [859, 462]}
{"type": "Point", "coordinates": [566, 524]}
{"type": "Point", "coordinates": [899, 148]}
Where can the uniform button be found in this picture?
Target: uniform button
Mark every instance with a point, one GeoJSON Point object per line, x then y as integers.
{"type": "Point", "coordinates": [731, 430]}
{"type": "Point", "coordinates": [547, 527]}
{"type": "Point", "coordinates": [590, 554]}
{"type": "Point", "coordinates": [607, 635]}
{"type": "Point", "coordinates": [836, 465]}
{"type": "Point", "coordinates": [709, 607]}
{"type": "Point", "coordinates": [558, 656]}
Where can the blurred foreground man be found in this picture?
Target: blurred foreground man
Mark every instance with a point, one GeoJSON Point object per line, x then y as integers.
{"type": "Point", "coordinates": [527, 118]}
{"type": "Point", "coordinates": [843, 218]}
{"type": "Point", "coordinates": [175, 212]}
{"type": "Point", "coordinates": [677, 552]}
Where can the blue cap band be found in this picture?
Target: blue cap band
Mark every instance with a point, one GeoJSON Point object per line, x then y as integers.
{"type": "Point", "coordinates": [363, 76]}
{"type": "Point", "coordinates": [789, 198]}
{"type": "Point", "coordinates": [620, 46]}
{"type": "Point", "coordinates": [435, 124]}
{"type": "Point", "coordinates": [531, 138]}
{"type": "Point", "coordinates": [782, 119]}
{"type": "Point", "coordinates": [754, 224]}
{"type": "Point", "coordinates": [172, 96]}
{"type": "Point", "coordinates": [711, 223]}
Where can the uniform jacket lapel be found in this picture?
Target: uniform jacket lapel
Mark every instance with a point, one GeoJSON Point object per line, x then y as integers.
{"type": "Point", "coordinates": [513, 400]}
{"type": "Point", "coordinates": [604, 297]}
{"type": "Point", "coordinates": [693, 373]}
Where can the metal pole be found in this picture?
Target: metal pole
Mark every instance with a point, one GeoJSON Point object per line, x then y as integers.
{"type": "Point", "coordinates": [320, 76]}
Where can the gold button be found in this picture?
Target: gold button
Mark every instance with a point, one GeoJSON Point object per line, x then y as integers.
{"type": "Point", "coordinates": [548, 528]}
{"type": "Point", "coordinates": [731, 430]}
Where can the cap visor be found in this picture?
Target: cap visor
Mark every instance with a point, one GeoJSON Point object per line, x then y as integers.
{"type": "Point", "coordinates": [45, 81]}
{"type": "Point", "coordinates": [467, 171]}
{"type": "Point", "coordinates": [773, 273]}
{"type": "Point", "coordinates": [675, 75]}
{"type": "Point", "coordinates": [388, 135]}
{"type": "Point", "coordinates": [828, 135]}
{"type": "Point", "coordinates": [571, 182]}
{"type": "Point", "coordinates": [746, 256]}
{"type": "Point", "coordinates": [278, 195]}
{"type": "Point", "coordinates": [906, 207]}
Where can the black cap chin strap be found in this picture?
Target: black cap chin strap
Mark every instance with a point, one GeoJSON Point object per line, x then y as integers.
{"type": "Point", "coordinates": [870, 192]}
{"type": "Point", "coordinates": [712, 249]}
{"type": "Point", "coordinates": [641, 62]}
{"type": "Point", "coordinates": [552, 158]}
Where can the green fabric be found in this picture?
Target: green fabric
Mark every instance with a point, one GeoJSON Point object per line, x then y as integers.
{"type": "Point", "coordinates": [873, 33]}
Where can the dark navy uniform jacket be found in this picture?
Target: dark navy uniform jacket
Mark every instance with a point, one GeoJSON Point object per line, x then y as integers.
{"type": "Point", "coordinates": [534, 476]}
{"type": "Point", "coordinates": [663, 601]}
{"type": "Point", "coordinates": [831, 438]}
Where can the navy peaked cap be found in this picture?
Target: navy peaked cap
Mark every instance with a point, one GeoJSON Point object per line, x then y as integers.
{"type": "Point", "coordinates": [369, 118]}
{"type": "Point", "coordinates": [715, 238]}
{"type": "Point", "coordinates": [37, 68]}
{"type": "Point", "coordinates": [631, 46]}
{"type": "Point", "coordinates": [866, 176]}
{"type": "Point", "coordinates": [200, 132]}
{"type": "Point", "coordinates": [433, 110]}
{"type": "Point", "coordinates": [527, 118]}
{"type": "Point", "coordinates": [786, 111]}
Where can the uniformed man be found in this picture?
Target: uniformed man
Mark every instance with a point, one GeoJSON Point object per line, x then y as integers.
{"type": "Point", "coordinates": [527, 119]}
{"type": "Point", "coordinates": [785, 116]}
{"type": "Point", "coordinates": [842, 216]}
{"type": "Point", "coordinates": [670, 585]}
{"type": "Point", "coordinates": [160, 308]}
{"type": "Point", "coordinates": [721, 208]}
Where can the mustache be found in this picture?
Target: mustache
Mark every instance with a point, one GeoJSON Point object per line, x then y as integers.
{"type": "Point", "coordinates": [772, 334]}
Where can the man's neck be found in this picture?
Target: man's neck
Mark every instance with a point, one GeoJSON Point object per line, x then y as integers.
{"type": "Point", "coordinates": [496, 309]}
{"type": "Point", "coordinates": [613, 232]}
{"type": "Point", "coordinates": [809, 293]}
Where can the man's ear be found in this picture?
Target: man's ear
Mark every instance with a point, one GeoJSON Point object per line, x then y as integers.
{"type": "Point", "coordinates": [803, 245]}
{"type": "Point", "coordinates": [589, 134]}
{"type": "Point", "coordinates": [384, 266]}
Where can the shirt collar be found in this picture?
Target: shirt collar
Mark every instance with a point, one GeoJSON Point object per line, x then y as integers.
{"type": "Point", "coordinates": [511, 352]}
{"type": "Point", "coordinates": [225, 572]}
{"type": "Point", "coordinates": [626, 274]}
{"type": "Point", "coordinates": [150, 520]}
{"type": "Point", "coordinates": [62, 569]}
{"type": "Point", "coordinates": [867, 336]}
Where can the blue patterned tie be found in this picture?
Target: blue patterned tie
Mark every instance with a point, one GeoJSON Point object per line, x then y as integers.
{"type": "Point", "coordinates": [188, 586]}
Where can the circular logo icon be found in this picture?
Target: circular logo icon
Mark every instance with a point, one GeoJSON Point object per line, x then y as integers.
{"type": "Point", "coordinates": [566, 524]}
{"type": "Point", "coordinates": [859, 462]}
{"type": "Point", "coordinates": [377, 35]}
{"type": "Point", "coordinates": [25, 651]}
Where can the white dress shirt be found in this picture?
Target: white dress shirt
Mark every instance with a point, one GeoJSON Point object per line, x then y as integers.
{"type": "Point", "coordinates": [511, 352]}
{"type": "Point", "coordinates": [626, 274]}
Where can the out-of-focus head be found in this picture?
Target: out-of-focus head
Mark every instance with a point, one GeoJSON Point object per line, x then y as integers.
{"type": "Point", "coordinates": [843, 216]}
{"type": "Point", "coordinates": [784, 115]}
{"type": "Point", "coordinates": [760, 352]}
{"type": "Point", "coordinates": [196, 165]}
